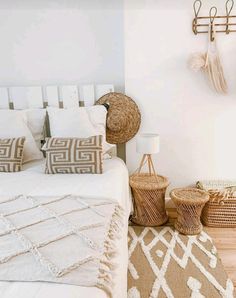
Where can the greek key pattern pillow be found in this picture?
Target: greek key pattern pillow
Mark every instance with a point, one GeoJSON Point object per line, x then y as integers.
{"type": "Point", "coordinates": [11, 154]}
{"type": "Point", "coordinates": [73, 155]}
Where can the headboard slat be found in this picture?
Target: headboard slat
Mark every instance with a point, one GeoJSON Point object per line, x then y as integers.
{"type": "Point", "coordinates": [52, 97]}
{"type": "Point", "coordinates": [70, 96]}
{"type": "Point", "coordinates": [4, 99]}
{"type": "Point", "coordinates": [26, 97]}
{"type": "Point", "coordinates": [87, 95]}
{"type": "Point", "coordinates": [103, 89]}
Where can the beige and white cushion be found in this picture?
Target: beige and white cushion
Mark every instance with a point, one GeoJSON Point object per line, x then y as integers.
{"type": "Point", "coordinates": [73, 155]}
{"type": "Point", "coordinates": [81, 122]}
{"type": "Point", "coordinates": [13, 124]}
{"type": "Point", "coordinates": [11, 154]}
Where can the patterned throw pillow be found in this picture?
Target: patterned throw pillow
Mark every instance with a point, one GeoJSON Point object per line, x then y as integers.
{"type": "Point", "coordinates": [73, 155]}
{"type": "Point", "coordinates": [11, 154]}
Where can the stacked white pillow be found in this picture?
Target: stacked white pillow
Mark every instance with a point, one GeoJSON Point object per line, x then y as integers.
{"type": "Point", "coordinates": [13, 124]}
{"type": "Point", "coordinates": [81, 122]}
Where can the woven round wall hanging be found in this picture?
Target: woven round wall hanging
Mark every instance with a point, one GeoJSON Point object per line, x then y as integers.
{"type": "Point", "coordinates": [123, 118]}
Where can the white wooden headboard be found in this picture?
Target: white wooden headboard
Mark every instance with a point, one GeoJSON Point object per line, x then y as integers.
{"type": "Point", "coordinates": [38, 97]}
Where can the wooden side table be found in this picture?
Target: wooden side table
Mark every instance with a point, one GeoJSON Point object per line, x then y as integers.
{"type": "Point", "coordinates": [149, 199]}
{"type": "Point", "coordinates": [189, 204]}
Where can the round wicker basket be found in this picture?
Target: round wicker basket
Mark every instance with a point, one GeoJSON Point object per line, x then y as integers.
{"type": "Point", "coordinates": [189, 204]}
{"type": "Point", "coordinates": [149, 199]}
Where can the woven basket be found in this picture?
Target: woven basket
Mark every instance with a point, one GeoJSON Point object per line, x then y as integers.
{"type": "Point", "coordinates": [189, 204]}
{"type": "Point", "coordinates": [220, 210]}
{"type": "Point", "coordinates": [149, 199]}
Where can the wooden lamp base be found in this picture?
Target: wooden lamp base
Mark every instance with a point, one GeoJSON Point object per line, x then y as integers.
{"type": "Point", "coordinates": [147, 158]}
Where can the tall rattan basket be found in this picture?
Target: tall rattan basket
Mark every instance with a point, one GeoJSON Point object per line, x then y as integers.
{"type": "Point", "coordinates": [220, 210]}
{"type": "Point", "coordinates": [149, 199]}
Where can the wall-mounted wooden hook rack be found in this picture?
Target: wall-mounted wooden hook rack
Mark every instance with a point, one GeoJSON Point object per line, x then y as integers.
{"type": "Point", "coordinates": [222, 23]}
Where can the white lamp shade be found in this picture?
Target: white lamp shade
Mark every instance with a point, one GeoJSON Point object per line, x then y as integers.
{"type": "Point", "coordinates": [148, 143]}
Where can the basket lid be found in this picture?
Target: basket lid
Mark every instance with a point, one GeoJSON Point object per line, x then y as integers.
{"type": "Point", "coordinates": [189, 195]}
{"type": "Point", "coordinates": [147, 181]}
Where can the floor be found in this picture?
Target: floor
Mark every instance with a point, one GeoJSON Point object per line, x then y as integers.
{"type": "Point", "coordinates": [225, 241]}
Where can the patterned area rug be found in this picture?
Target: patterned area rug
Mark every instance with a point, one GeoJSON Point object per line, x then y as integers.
{"type": "Point", "coordinates": [164, 263]}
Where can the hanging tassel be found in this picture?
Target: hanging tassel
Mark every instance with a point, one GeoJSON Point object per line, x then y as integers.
{"type": "Point", "coordinates": [210, 63]}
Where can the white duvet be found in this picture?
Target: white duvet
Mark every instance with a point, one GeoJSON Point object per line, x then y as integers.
{"type": "Point", "coordinates": [113, 183]}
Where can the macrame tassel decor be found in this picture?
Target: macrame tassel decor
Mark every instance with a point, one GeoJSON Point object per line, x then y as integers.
{"type": "Point", "coordinates": [210, 63]}
{"type": "Point", "coordinates": [214, 69]}
{"type": "Point", "coordinates": [197, 62]}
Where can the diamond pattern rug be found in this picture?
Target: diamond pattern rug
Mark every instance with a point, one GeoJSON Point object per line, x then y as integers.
{"type": "Point", "coordinates": [164, 263]}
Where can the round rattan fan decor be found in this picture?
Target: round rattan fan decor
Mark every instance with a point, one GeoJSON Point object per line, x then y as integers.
{"type": "Point", "coordinates": [123, 119]}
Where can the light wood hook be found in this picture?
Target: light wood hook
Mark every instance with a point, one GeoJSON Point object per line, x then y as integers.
{"type": "Point", "coordinates": [196, 8]}
{"type": "Point", "coordinates": [212, 15]}
{"type": "Point", "coordinates": [228, 6]}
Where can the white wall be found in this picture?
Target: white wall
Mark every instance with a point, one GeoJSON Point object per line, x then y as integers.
{"type": "Point", "coordinates": [47, 42]}
{"type": "Point", "coordinates": [197, 126]}
{"type": "Point", "coordinates": [69, 41]}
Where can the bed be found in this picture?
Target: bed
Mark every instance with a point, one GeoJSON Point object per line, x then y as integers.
{"type": "Point", "coordinates": [113, 183]}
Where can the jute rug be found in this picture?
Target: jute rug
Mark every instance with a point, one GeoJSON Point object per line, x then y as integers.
{"type": "Point", "coordinates": [164, 263]}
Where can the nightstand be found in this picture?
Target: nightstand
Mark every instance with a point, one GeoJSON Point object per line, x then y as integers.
{"type": "Point", "coordinates": [148, 192]}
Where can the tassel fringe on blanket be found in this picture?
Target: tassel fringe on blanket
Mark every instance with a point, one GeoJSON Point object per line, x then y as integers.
{"type": "Point", "coordinates": [105, 278]}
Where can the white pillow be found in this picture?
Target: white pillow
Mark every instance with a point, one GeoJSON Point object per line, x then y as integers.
{"type": "Point", "coordinates": [12, 124]}
{"type": "Point", "coordinates": [81, 122]}
{"type": "Point", "coordinates": [35, 122]}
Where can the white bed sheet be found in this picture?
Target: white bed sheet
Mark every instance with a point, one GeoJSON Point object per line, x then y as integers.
{"type": "Point", "coordinates": [113, 183]}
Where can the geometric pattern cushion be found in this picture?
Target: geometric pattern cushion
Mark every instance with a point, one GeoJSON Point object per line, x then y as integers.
{"type": "Point", "coordinates": [11, 154]}
{"type": "Point", "coordinates": [73, 155]}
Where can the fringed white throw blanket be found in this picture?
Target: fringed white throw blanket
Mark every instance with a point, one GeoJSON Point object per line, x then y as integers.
{"type": "Point", "coordinates": [67, 239]}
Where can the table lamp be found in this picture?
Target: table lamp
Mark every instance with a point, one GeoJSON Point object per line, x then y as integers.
{"type": "Point", "coordinates": [147, 144]}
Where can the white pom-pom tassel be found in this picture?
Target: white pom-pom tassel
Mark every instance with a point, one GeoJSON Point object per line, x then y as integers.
{"type": "Point", "coordinates": [197, 61]}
